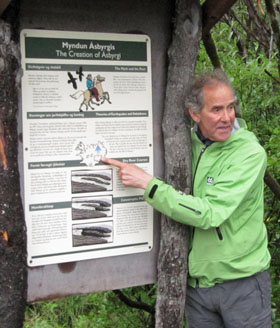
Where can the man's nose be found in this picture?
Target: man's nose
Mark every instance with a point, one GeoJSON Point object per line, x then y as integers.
{"type": "Point", "coordinates": [225, 115]}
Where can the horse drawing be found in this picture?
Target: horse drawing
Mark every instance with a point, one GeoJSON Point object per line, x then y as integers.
{"type": "Point", "coordinates": [88, 97]}
{"type": "Point", "coordinates": [104, 95]}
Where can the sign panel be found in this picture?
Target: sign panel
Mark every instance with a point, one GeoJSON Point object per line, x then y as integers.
{"type": "Point", "coordinates": [85, 96]}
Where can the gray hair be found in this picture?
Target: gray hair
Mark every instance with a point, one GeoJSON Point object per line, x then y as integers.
{"type": "Point", "coordinates": [195, 99]}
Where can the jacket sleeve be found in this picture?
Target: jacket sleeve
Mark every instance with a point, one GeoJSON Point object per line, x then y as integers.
{"type": "Point", "coordinates": [238, 183]}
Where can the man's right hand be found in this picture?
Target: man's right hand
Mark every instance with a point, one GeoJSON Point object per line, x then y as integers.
{"type": "Point", "coordinates": [131, 175]}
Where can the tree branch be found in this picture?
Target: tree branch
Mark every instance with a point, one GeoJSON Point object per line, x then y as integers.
{"type": "Point", "coordinates": [274, 26]}
{"type": "Point", "coordinates": [273, 78]}
{"type": "Point", "coordinates": [137, 305]}
{"type": "Point", "coordinates": [273, 184]}
{"type": "Point", "coordinates": [242, 48]}
{"type": "Point", "coordinates": [260, 29]}
{"type": "Point", "coordinates": [213, 12]}
{"type": "Point", "coordinates": [211, 50]}
{"type": "Point", "coordinates": [248, 31]}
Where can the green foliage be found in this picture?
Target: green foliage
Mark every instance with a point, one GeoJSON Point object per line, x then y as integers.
{"type": "Point", "coordinates": [92, 311]}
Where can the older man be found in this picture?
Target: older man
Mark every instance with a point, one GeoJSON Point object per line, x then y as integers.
{"type": "Point", "coordinates": [229, 282]}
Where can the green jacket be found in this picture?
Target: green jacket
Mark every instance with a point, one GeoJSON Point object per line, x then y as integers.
{"type": "Point", "coordinates": [226, 210]}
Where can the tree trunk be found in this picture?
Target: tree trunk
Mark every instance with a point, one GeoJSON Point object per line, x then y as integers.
{"type": "Point", "coordinates": [172, 262]}
{"type": "Point", "coordinates": [12, 232]}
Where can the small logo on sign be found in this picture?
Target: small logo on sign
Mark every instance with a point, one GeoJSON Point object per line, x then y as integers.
{"type": "Point", "coordinates": [210, 180]}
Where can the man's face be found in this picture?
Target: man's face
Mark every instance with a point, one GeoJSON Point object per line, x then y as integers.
{"type": "Point", "coordinates": [216, 119]}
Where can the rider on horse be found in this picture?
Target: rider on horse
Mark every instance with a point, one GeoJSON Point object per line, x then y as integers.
{"type": "Point", "coordinates": [91, 87]}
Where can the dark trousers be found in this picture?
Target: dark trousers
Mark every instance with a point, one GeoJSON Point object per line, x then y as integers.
{"type": "Point", "coordinates": [94, 93]}
{"type": "Point", "coordinates": [240, 303]}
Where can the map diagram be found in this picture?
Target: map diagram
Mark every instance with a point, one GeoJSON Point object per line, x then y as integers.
{"type": "Point", "coordinates": [91, 153]}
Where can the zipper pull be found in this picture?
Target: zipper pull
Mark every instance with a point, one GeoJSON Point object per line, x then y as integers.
{"type": "Point", "coordinates": [219, 232]}
{"type": "Point", "coordinates": [203, 149]}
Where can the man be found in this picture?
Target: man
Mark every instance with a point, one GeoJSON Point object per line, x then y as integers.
{"type": "Point", "coordinates": [91, 87]}
{"type": "Point", "coordinates": [229, 284]}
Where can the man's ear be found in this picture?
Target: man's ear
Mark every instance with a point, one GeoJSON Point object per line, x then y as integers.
{"type": "Point", "coordinates": [195, 116]}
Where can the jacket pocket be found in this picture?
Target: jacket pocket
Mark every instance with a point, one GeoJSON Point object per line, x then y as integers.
{"type": "Point", "coordinates": [190, 208]}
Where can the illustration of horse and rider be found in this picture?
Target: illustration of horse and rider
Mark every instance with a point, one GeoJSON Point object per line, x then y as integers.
{"type": "Point", "coordinates": [94, 95]}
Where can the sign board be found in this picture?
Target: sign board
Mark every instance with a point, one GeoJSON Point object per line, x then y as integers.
{"type": "Point", "coordinates": [75, 206]}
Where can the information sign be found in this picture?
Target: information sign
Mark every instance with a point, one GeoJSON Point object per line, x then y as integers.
{"type": "Point", "coordinates": [85, 96]}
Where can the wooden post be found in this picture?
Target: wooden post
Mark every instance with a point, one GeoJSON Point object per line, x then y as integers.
{"type": "Point", "coordinates": [172, 262]}
{"type": "Point", "coordinates": [12, 231]}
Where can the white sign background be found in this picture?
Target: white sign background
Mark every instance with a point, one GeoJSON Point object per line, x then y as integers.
{"type": "Point", "coordinates": [75, 206]}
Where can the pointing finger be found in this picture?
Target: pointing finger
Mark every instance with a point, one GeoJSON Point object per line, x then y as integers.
{"type": "Point", "coordinates": [113, 162]}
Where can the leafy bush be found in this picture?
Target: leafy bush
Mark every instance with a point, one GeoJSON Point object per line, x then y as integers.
{"type": "Point", "coordinates": [97, 310]}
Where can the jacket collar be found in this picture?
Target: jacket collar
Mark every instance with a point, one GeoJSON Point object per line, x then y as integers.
{"type": "Point", "coordinates": [201, 137]}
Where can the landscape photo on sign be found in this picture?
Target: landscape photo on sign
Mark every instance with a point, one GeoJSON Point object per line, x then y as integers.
{"type": "Point", "coordinates": [85, 181]}
{"type": "Point", "coordinates": [92, 207]}
{"type": "Point", "coordinates": [92, 234]}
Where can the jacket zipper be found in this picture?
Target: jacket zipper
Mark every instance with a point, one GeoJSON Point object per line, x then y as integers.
{"type": "Point", "coordinates": [196, 211]}
{"type": "Point", "coordinates": [218, 230]}
{"type": "Point", "coordinates": [220, 236]}
{"type": "Point", "coordinates": [198, 160]}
